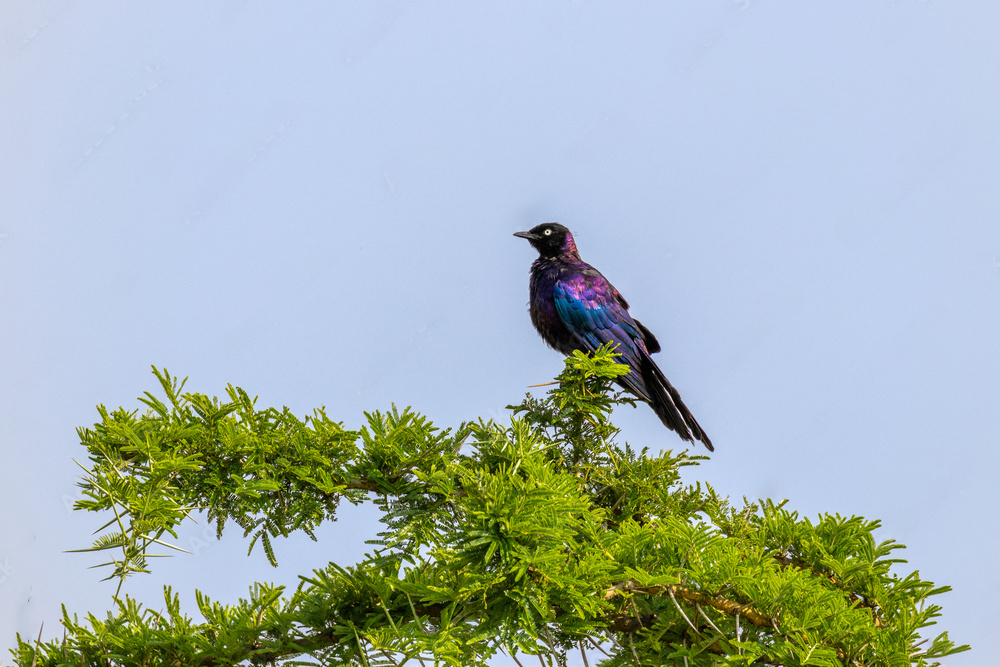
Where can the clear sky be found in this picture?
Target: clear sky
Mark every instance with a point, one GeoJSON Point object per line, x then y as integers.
{"type": "Point", "coordinates": [315, 201]}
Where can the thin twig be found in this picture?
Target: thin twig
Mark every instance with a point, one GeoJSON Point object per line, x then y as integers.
{"type": "Point", "coordinates": [705, 616]}
{"type": "Point", "coordinates": [415, 617]}
{"type": "Point", "coordinates": [583, 653]}
{"type": "Point", "coordinates": [38, 644]}
{"type": "Point", "coordinates": [635, 608]}
{"type": "Point", "coordinates": [635, 656]}
{"type": "Point", "coordinates": [671, 591]}
{"type": "Point", "coordinates": [598, 646]}
{"type": "Point", "coordinates": [688, 553]}
{"type": "Point", "coordinates": [361, 649]}
{"type": "Point", "coordinates": [548, 640]}
{"type": "Point", "coordinates": [739, 633]}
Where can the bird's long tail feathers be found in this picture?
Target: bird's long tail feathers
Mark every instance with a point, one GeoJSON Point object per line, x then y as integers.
{"type": "Point", "coordinates": [668, 406]}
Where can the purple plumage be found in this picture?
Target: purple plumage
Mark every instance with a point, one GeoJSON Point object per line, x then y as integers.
{"type": "Point", "coordinates": [574, 307]}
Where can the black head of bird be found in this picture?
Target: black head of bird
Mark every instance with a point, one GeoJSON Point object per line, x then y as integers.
{"type": "Point", "coordinates": [550, 239]}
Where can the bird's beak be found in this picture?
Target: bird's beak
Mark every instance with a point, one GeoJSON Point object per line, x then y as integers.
{"type": "Point", "coordinates": [526, 235]}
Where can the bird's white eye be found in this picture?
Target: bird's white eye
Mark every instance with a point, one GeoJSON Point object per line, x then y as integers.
{"type": "Point", "coordinates": [547, 232]}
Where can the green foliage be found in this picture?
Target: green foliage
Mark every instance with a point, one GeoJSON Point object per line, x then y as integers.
{"type": "Point", "coordinates": [533, 537]}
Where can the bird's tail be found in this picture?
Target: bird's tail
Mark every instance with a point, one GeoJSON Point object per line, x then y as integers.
{"type": "Point", "coordinates": [668, 406]}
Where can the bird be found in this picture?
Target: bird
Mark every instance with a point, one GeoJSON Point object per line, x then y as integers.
{"type": "Point", "coordinates": [574, 307]}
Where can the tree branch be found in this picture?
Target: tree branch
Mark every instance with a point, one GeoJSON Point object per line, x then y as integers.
{"type": "Point", "coordinates": [722, 604]}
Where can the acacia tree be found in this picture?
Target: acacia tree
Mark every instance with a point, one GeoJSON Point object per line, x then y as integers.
{"type": "Point", "coordinates": [539, 536]}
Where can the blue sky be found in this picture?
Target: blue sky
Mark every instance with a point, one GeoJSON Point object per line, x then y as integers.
{"type": "Point", "coordinates": [315, 201]}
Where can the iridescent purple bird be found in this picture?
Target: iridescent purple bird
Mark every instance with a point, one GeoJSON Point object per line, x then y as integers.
{"type": "Point", "coordinates": [574, 307]}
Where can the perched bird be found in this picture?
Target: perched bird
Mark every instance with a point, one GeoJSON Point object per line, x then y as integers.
{"type": "Point", "coordinates": [574, 307]}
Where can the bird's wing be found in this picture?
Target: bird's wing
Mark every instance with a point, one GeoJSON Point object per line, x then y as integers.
{"type": "Point", "coordinates": [652, 345]}
{"type": "Point", "coordinates": [592, 311]}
